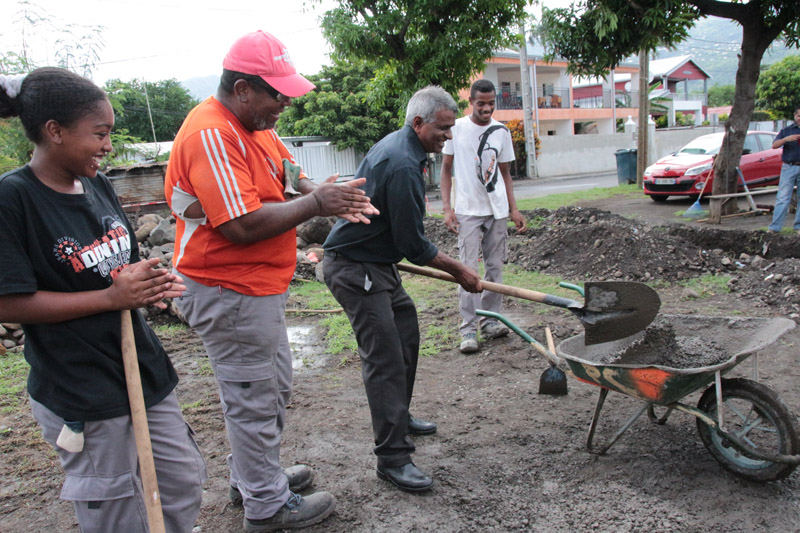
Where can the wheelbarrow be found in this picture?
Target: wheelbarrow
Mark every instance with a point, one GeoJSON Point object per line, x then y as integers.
{"type": "Point", "coordinates": [743, 424]}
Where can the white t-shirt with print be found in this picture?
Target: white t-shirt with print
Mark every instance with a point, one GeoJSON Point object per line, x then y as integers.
{"type": "Point", "coordinates": [470, 195]}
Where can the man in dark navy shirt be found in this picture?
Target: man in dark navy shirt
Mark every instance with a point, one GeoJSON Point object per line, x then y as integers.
{"type": "Point", "coordinates": [789, 139]}
{"type": "Point", "coordinates": [360, 271]}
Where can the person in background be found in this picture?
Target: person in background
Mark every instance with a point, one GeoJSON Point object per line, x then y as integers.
{"type": "Point", "coordinates": [70, 264]}
{"type": "Point", "coordinates": [359, 269]}
{"type": "Point", "coordinates": [789, 139]}
{"type": "Point", "coordinates": [229, 181]}
{"type": "Point", "coordinates": [475, 166]}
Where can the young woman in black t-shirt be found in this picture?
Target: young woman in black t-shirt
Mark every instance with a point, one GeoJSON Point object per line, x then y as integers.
{"type": "Point", "coordinates": [69, 263]}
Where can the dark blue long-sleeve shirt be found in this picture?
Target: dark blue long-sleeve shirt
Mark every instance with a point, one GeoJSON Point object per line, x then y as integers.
{"type": "Point", "coordinates": [396, 186]}
{"type": "Point", "coordinates": [791, 151]}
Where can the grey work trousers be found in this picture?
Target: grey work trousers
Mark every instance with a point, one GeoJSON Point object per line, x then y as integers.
{"type": "Point", "coordinates": [103, 480]}
{"type": "Point", "coordinates": [478, 235]}
{"type": "Point", "coordinates": [384, 320]}
{"type": "Point", "coordinates": [248, 347]}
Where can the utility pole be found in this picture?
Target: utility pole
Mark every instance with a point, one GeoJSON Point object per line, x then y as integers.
{"type": "Point", "coordinates": [527, 106]}
{"type": "Point", "coordinates": [643, 130]}
{"type": "Point", "coordinates": [149, 113]}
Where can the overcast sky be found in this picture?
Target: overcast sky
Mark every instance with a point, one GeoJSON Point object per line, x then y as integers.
{"type": "Point", "coordinates": [162, 39]}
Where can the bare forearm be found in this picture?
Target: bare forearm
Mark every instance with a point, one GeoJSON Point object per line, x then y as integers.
{"type": "Point", "coordinates": [455, 268]}
{"type": "Point", "coordinates": [446, 183]}
{"type": "Point", "coordinates": [44, 307]}
{"type": "Point", "coordinates": [270, 220]}
{"type": "Point", "coordinates": [306, 186]}
{"type": "Point", "coordinates": [509, 183]}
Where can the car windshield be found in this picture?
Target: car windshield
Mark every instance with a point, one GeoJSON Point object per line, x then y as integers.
{"type": "Point", "coordinates": [708, 145]}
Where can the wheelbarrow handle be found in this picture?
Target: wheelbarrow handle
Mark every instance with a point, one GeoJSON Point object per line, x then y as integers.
{"type": "Point", "coordinates": [552, 357]}
{"type": "Point", "coordinates": [508, 290]}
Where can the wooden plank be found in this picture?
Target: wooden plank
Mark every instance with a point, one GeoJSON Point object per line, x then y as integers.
{"type": "Point", "coordinates": [766, 190]}
{"type": "Point", "coordinates": [139, 185]}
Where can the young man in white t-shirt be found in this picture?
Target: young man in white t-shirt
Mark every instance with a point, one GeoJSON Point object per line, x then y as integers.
{"type": "Point", "coordinates": [476, 168]}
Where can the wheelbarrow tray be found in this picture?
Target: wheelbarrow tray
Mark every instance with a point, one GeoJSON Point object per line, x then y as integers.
{"type": "Point", "coordinates": [736, 338]}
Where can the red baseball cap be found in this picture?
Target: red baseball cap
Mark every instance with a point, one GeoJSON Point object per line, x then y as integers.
{"type": "Point", "coordinates": [262, 54]}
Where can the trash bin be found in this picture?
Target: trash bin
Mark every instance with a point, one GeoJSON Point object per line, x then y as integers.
{"type": "Point", "coordinates": [626, 166]}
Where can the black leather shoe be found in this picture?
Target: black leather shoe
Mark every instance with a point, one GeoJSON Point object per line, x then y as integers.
{"type": "Point", "coordinates": [407, 477]}
{"type": "Point", "coordinates": [420, 427]}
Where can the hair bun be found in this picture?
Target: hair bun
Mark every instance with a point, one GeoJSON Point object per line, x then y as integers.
{"type": "Point", "coordinates": [11, 84]}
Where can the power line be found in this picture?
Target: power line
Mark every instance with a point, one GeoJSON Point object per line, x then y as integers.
{"type": "Point", "coordinates": [715, 42]}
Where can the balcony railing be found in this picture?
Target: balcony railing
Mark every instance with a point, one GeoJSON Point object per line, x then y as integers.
{"type": "Point", "coordinates": [623, 100]}
{"type": "Point", "coordinates": [691, 97]}
{"type": "Point", "coordinates": [556, 99]}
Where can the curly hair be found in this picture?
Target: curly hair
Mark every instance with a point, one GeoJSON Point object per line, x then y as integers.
{"type": "Point", "coordinates": [481, 86]}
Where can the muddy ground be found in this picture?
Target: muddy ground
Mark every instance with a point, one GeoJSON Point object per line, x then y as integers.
{"type": "Point", "coordinates": [506, 458]}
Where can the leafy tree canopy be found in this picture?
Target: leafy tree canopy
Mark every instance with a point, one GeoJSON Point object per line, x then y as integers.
{"type": "Point", "coordinates": [169, 104]}
{"type": "Point", "coordinates": [721, 95]}
{"type": "Point", "coordinates": [338, 109]}
{"type": "Point", "coordinates": [596, 35]}
{"type": "Point", "coordinates": [420, 42]}
{"type": "Point", "coordinates": [778, 89]}
{"type": "Point", "coordinates": [73, 46]}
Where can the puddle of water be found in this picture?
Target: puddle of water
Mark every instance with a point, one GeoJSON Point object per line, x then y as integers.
{"type": "Point", "coordinates": [307, 350]}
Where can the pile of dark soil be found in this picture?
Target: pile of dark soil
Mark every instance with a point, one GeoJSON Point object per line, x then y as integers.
{"type": "Point", "coordinates": [589, 244]}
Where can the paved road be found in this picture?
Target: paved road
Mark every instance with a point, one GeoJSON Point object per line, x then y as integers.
{"type": "Point", "coordinates": [536, 188]}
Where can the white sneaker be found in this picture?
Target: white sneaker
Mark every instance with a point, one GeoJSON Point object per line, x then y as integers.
{"type": "Point", "coordinates": [469, 343]}
{"type": "Point", "coordinates": [492, 329]}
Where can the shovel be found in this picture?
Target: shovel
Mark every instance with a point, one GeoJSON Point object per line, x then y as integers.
{"type": "Point", "coordinates": [613, 309]}
{"type": "Point", "coordinates": [141, 431]}
{"type": "Point", "coordinates": [553, 381]}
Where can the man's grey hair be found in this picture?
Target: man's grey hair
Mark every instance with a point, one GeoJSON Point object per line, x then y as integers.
{"type": "Point", "coordinates": [427, 102]}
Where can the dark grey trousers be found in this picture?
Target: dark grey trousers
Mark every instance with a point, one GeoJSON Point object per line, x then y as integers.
{"type": "Point", "coordinates": [384, 320]}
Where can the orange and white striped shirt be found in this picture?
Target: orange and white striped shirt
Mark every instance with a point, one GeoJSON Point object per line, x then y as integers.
{"type": "Point", "coordinates": [232, 171]}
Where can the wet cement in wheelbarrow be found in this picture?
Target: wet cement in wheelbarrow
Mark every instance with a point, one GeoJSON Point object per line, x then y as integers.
{"type": "Point", "coordinates": [661, 346]}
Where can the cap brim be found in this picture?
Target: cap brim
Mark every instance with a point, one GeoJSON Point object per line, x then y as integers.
{"type": "Point", "coordinates": [293, 85]}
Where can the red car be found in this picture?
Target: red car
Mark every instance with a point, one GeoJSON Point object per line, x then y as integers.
{"type": "Point", "coordinates": [689, 170]}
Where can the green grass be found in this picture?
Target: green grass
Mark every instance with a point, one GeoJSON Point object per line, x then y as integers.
{"type": "Point", "coordinates": [312, 295]}
{"type": "Point", "coordinates": [204, 367]}
{"type": "Point", "coordinates": [166, 329]}
{"type": "Point", "coordinates": [437, 338]}
{"type": "Point", "coordinates": [554, 201]}
{"type": "Point", "coordinates": [191, 405]}
{"type": "Point", "coordinates": [536, 281]}
{"type": "Point", "coordinates": [709, 284]}
{"type": "Point", "coordinates": [13, 374]}
{"type": "Point", "coordinates": [340, 335]}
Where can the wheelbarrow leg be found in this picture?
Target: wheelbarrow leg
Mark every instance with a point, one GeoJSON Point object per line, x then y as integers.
{"type": "Point", "coordinates": [651, 414]}
{"type": "Point", "coordinates": [599, 407]}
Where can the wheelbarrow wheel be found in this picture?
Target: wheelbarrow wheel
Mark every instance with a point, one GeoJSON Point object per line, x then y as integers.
{"type": "Point", "coordinates": [756, 416]}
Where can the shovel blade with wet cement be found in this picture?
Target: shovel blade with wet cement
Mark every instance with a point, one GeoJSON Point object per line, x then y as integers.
{"type": "Point", "coordinates": [612, 310]}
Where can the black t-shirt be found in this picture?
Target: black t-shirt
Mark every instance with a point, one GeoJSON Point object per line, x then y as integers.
{"type": "Point", "coordinates": [58, 242]}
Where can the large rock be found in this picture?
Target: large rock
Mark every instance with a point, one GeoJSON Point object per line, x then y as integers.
{"type": "Point", "coordinates": [163, 233]}
{"type": "Point", "coordinates": [150, 218]}
{"type": "Point", "coordinates": [315, 230]}
{"type": "Point", "coordinates": [143, 232]}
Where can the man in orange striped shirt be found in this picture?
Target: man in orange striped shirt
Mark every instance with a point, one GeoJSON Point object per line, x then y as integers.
{"type": "Point", "coordinates": [227, 182]}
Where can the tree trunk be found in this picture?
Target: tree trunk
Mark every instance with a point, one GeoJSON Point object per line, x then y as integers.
{"type": "Point", "coordinates": [756, 37]}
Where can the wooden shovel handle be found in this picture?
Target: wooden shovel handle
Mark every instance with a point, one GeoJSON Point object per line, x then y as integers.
{"type": "Point", "coordinates": [551, 345]}
{"type": "Point", "coordinates": [141, 431]}
{"type": "Point", "coordinates": [508, 290]}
